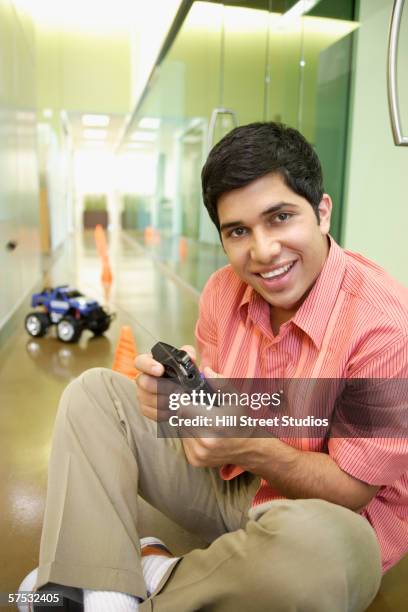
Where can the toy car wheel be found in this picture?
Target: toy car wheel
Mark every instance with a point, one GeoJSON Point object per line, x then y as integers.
{"type": "Point", "coordinates": [37, 323]}
{"type": "Point", "coordinates": [101, 328]}
{"type": "Point", "coordinates": [69, 329]}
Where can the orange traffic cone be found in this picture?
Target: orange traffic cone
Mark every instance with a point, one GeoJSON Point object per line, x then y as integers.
{"type": "Point", "coordinates": [106, 279]}
{"type": "Point", "coordinates": [125, 353]}
{"type": "Point", "coordinates": [148, 234]}
{"type": "Point", "coordinates": [182, 248]}
{"type": "Point", "coordinates": [106, 276]}
{"type": "Point", "coordinates": [107, 292]}
{"type": "Point", "coordinates": [102, 248]}
{"type": "Point", "coordinates": [100, 241]}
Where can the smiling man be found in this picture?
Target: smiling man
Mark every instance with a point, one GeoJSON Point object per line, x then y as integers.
{"type": "Point", "coordinates": [274, 241]}
{"type": "Point", "coordinates": [305, 525]}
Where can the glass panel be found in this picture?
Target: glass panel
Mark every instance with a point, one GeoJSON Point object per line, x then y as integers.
{"type": "Point", "coordinates": [262, 62]}
{"type": "Point", "coordinates": [198, 50]}
{"type": "Point", "coordinates": [192, 150]}
{"type": "Point", "coordinates": [176, 112]}
{"type": "Point", "coordinates": [325, 89]}
{"type": "Point", "coordinates": [245, 33]}
{"type": "Point", "coordinates": [181, 98]}
{"type": "Point", "coordinates": [310, 66]}
{"type": "Point", "coordinates": [283, 70]}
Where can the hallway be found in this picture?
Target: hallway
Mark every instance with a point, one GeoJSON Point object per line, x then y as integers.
{"type": "Point", "coordinates": [34, 372]}
{"type": "Point", "coordinates": [107, 114]}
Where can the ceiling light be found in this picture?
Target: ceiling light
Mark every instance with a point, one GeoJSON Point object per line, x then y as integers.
{"type": "Point", "coordinates": [143, 136]}
{"type": "Point", "coordinates": [25, 116]}
{"type": "Point", "coordinates": [95, 134]}
{"type": "Point", "coordinates": [135, 145]}
{"type": "Point", "coordinates": [149, 123]}
{"type": "Point", "coordinates": [95, 120]}
{"type": "Point", "coordinates": [192, 138]}
{"type": "Point", "coordinates": [93, 143]}
{"type": "Point", "coordinates": [47, 113]}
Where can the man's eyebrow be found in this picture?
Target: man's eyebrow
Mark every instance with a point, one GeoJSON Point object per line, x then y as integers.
{"type": "Point", "coordinates": [276, 208]}
{"type": "Point", "coordinates": [271, 209]}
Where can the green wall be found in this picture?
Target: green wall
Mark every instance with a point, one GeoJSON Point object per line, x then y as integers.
{"type": "Point", "coordinates": [376, 216]}
{"type": "Point", "coordinates": [83, 71]}
{"type": "Point", "coordinates": [19, 214]}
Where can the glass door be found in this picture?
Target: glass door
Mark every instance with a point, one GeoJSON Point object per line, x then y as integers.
{"type": "Point", "coordinates": [326, 64]}
{"type": "Point", "coordinates": [192, 152]}
{"type": "Point", "coordinates": [244, 57]}
{"type": "Point", "coordinates": [309, 81]}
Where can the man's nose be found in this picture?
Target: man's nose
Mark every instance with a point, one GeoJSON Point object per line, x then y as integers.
{"type": "Point", "coordinates": [264, 248]}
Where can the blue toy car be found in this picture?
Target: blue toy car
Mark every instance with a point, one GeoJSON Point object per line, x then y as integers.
{"type": "Point", "coordinates": [69, 310]}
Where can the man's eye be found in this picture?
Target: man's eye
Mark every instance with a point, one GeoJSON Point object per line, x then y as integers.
{"type": "Point", "coordinates": [283, 217]}
{"type": "Point", "coordinates": [238, 232]}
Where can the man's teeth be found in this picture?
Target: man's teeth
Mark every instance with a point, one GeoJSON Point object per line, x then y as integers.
{"type": "Point", "coordinates": [277, 272]}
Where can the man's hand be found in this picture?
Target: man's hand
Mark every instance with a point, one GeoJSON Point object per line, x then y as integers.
{"type": "Point", "coordinates": [292, 472]}
{"type": "Point", "coordinates": [211, 446]}
{"type": "Point", "coordinates": [146, 382]}
{"type": "Point", "coordinates": [215, 452]}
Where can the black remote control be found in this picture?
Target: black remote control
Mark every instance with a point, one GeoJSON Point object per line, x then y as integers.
{"type": "Point", "coordinates": [178, 365]}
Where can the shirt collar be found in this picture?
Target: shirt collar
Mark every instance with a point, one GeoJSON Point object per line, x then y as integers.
{"type": "Point", "coordinates": [313, 315]}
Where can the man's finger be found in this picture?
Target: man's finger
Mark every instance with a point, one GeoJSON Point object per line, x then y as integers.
{"type": "Point", "coordinates": [146, 364]}
{"type": "Point", "coordinates": [209, 373]}
{"type": "Point", "coordinates": [147, 383]}
{"type": "Point", "coordinates": [150, 413]}
{"type": "Point", "coordinates": [190, 350]}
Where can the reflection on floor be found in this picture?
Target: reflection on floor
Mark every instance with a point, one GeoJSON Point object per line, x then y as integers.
{"type": "Point", "coordinates": [147, 296]}
{"type": "Point", "coordinates": [190, 260]}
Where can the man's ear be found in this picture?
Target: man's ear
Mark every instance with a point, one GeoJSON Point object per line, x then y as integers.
{"type": "Point", "coordinates": [325, 210]}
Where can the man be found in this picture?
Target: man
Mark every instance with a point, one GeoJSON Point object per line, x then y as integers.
{"type": "Point", "coordinates": [298, 526]}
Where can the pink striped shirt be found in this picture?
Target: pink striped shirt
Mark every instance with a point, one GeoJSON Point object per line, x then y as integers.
{"type": "Point", "coordinates": [353, 323]}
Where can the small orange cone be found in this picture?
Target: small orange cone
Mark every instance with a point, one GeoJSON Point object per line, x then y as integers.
{"type": "Point", "coordinates": [107, 292]}
{"type": "Point", "coordinates": [182, 248]}
{"type": "Point", "coordinates": [102, 248]}
{"type": "Point", "coordinates": [106, 276]}
{"type": "Point", "coordinates": [148, 234]}
{"type": "Point", "coordinates": [125, 353]}
{"type": "Point", "coordinates": [106, 279]}
{"type": "Point", "coordinates": [100, 241]}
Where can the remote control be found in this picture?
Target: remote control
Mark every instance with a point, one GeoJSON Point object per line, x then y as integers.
{"type": "Point", "coordinates": [178, 365]}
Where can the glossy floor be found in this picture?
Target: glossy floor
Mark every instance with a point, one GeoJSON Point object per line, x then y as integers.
{"type": "Point", "coordinates": [158, 298]}
{"type": "Point", "coordinates": [33, 374]}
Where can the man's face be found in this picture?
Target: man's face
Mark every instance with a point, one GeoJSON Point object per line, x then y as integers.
{"type": "Point", "coordinates": [273, 241]}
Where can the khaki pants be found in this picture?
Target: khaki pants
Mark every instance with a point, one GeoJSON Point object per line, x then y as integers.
{"type": "Point", "coordinates": [287, 555]}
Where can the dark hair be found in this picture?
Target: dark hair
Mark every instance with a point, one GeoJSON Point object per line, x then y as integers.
{"type": "Point", "coordinates": [251, 151]}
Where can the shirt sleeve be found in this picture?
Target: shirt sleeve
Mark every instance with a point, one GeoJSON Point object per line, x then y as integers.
{"type": "Point", "coordinates": [206, 327]}
{"type": "Point", "coordinates": [381, 456]}
{"type": "Point", "coordinates": [206, 336]}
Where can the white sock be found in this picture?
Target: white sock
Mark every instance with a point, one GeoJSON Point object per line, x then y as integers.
{"type": "Point", "coordinates": [154, 567]}
{"type": "Point", "coordinates": [109, 601]}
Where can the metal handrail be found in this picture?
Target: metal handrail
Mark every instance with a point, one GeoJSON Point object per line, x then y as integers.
{"type": "Point", "coordinates": [214, 116]}
{"type": "Point", "coordinates": [399, 138]}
